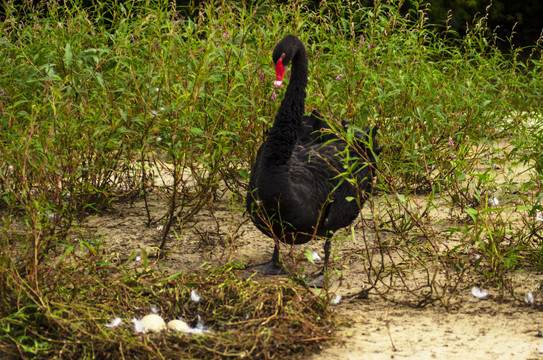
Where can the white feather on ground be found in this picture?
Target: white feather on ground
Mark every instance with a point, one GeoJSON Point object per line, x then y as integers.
{"type": "Point", "coordinates": [479, 293]}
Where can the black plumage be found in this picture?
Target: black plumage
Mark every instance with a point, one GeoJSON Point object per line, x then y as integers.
{"type": "Point", "coordinates": [295, 193]}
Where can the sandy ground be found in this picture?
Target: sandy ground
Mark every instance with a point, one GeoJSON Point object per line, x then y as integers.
{"type": "Point", "coordinates": [480, 330]}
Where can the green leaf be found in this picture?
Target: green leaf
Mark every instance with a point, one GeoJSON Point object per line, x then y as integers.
{"type": "Point", "coordinates": [68, 56]}
{"type": "Point", "coordinates": [99, 78]}
{"type": "Point", "coordinates": [472, 213]}
{"type": "Point", "coordinates": [197, 131]}
{"type": "Point", "coordinates": [309, 256]}
{"type": "Point", "coordinates": [243, 173]}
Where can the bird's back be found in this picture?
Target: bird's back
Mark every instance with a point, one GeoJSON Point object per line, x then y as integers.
{"type": "Point", "coordinates": [313, 196]}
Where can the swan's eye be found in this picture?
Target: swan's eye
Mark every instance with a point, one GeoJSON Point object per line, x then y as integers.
{"type": "Point", "coordinates": [279, 71]}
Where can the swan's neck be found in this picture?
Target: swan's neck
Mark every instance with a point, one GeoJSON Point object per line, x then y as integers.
{"type": "Point", "coordinates": [288, 121]}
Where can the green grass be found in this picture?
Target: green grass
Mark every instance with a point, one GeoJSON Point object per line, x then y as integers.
{"type": "Point", "coordinates": [90, 105]}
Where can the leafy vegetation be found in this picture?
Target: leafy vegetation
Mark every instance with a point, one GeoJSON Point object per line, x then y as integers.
{"type": "Point", "coordinates": [145, 102]}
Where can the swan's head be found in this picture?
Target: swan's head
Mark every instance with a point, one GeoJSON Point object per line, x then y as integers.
{"type": "Point", "coordinates": [283, 53]}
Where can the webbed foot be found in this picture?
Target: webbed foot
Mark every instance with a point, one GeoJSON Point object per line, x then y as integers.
{"type": "Point", "coordinates": [319, 280]}
{"type": "Point", "coordinates": [269, 268]}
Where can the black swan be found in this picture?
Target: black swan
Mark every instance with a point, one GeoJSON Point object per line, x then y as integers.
{"type": "Point", "coordinates": [295, 193]}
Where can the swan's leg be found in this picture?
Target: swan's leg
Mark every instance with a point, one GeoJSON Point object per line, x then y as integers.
{"type": "Point", "coordinates": [272, 267]}
{"type": "Point", "coordinates": [275, 256]}
{"type": "Point", "coordinates": [320, 280]}
{"type": "Point", "coordinates": [326, 254]}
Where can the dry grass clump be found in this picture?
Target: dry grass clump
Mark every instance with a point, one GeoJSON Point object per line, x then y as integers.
{"type": "Point", "coordinates": [272, 318]}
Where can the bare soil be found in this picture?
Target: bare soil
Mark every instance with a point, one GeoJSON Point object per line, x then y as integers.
{"type": "Point", "coordinates": [480, 329]}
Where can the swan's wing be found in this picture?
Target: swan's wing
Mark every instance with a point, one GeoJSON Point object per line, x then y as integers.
{"type": "Point", "coordinates": [327, 178]}
{"type": "Point", "coordinates": [311, 133]}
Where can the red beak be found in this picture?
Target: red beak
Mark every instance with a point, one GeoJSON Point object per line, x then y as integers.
{"type": "Point", "coordinates": [279, 72]}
